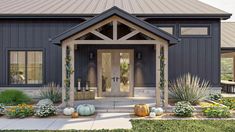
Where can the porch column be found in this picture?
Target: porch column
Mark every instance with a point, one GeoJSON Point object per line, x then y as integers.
{"type": "Point", "coordinates": [71, 101]}
{"type": "Point", "coordinates": [63, 74]}
{"type": "Point", "coordinates": [165, 75]}
{"type": "Point", "coordinates": [158, 96]}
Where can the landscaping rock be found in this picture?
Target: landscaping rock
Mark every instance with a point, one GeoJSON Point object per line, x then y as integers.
{"type": "Point", "coordinates": [44, 102]}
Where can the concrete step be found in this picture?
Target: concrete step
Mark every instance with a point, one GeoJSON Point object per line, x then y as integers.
{"type": "Point", "coordinates": [115, 104]}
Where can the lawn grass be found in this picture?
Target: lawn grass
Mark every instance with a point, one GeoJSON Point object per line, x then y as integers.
{"type": "Point", "coordinates": [172, 126]}
{"type": "Point", "coordinates": [183, 125]}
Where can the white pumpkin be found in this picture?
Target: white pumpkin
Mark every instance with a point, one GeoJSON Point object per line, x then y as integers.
{"type": "Point", "coordinates": [152, 114]}
{"type": "Point", "coordinates": [159, 111]}
{"type": "Point", "coordinates": [68, 111]}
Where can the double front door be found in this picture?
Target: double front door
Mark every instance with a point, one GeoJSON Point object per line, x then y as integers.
{"type": "Point", "coordinates": [115, 72]}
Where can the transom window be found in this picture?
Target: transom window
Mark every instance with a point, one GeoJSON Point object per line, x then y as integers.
{"type": "Point", "coordinates": [25, 67]}
{"type": "Point", "coordinates": [169, 30]}
{"type": "Point", "coordinates": [194, 31]}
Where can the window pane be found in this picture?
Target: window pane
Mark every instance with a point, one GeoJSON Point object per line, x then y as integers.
{"type": "Point", "coordinates": [167, 29]}
{"type": "Point", "coordinates": [194, 31]}
{"type": "Point", "coordinates": [17, 67]}
{"type": "Point", "coordinates": [34, 67]}
{"type": "Point", "coordinates": [227, 69]}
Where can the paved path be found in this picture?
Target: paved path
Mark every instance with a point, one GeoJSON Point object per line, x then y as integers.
{"type": "Point", "coordinates": [100, 121]}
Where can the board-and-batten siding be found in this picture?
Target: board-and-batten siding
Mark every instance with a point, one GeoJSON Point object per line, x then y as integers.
{"type": "Point", "coordinates": [197, 55]}
{"type": "Point", "coordinates": [30, 35]}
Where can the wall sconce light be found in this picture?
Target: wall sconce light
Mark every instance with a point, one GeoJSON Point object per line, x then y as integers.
{"type": "Point", "coordinates": [139, 55]}
{"type": "Point", "coordinates": [91, 55]}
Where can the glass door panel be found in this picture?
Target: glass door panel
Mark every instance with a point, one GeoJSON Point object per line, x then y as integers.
{"type": "Point", "coordinates": [106, 72]}
{"type": "Point", "coordinates": [124, 72]}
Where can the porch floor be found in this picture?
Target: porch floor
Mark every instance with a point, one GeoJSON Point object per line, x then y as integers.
{"type": "Point", "coordinates": [117, 104]}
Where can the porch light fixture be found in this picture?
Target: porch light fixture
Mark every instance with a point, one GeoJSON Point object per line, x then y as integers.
{"type": "Point", "coordinates": [91, 55]}
{"type": "Point", "coordinates": [139, 55]}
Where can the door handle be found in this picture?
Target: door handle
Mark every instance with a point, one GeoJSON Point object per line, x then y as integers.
{"type": "Point", "coordinates": [114, 79]}
{"type": "Point", "coordinates": [117, 78]}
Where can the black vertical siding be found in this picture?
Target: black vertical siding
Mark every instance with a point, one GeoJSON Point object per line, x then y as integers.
{"type": "Point", "coordinates": [29, 35]}
{"type": "Point", "coordinates": [197, 55]}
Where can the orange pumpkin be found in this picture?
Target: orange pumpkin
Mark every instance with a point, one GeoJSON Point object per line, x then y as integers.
{"type": "Point", "coordinates": [74, 115]}
{"type": "Point", "coordinates": [141, 110]}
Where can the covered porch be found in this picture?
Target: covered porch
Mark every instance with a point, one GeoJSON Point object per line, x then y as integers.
{"type": "Point", "coordinates": [228, 57]}
{"type": "Point", "coordinates": [114, 35]}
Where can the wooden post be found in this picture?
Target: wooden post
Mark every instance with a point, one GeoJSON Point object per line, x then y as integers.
{"type": "Point", "coordinates": [71, 102]}
{"type": "Point", "coordinates": [158, 96]}
{"type": "Point", "coordinates": [166, 75]}
{"type": "Point", "coordinates": [63, 75]}
{"type": "Point", "coordinates": [115, 30]}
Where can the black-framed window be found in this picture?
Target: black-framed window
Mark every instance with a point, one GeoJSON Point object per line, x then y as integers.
{"type": "Point", "coordinates": [25, 67]}
{"type": "Point", "coordinates": [168, 29]}
{"type": "Point", "coordinates": [194, 31]}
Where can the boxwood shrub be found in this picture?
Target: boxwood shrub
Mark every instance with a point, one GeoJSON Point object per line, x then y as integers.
{"type": "Point", "coordinates": [14, 97]}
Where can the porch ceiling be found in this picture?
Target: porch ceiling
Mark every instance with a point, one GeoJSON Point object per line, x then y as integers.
{"type": "Point", "coordinates": [115, 11]}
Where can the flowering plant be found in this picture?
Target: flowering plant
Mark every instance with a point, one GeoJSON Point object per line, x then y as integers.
{"type": "Point", "coordinates": [183, 109]}
{"type": "Point", "coordinates": [20, 111]}
{"type": "Point", "coordinates": [217, 111]}
{"type": "Point", "coordinates": [46, 110]}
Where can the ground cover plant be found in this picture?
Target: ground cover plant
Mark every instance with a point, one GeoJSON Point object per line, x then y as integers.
{"type": "Point", "coordinates": [46, 110]}
{"type": "Point", "coordinates": [14, 97]}
{"type": "Point", "coordinates": [215, 97]}
{"type": "Point", "coordinates": [189, 88]}
{"type": "Point", "coordinates": [20, 111]}
{"type": "Point", "coordinates": [217, 111]}
{"type": "Point", "coordinates": [183, 109]}
{"type": "Point", "coordinates": [229, 102]}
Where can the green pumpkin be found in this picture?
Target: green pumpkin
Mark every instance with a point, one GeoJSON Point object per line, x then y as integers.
{"type": "Point", "coordinates": [86, 109]}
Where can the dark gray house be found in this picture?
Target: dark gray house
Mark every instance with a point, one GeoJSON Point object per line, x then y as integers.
{"type": "Point", "coordinates": [115, 45]}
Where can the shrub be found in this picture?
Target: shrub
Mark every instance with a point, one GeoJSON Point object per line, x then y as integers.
{"type": "Point", "coordinates": [229, 102]}
{"type": "Point", "coordinates": [14, 97]}
{"type": "Point", "coordinates": [20, 111]}
{"type": "Point", "coordinates": [217, 111]}
{"type": "Point", "coordinates": [189, 88]}
{"type": "Point", "coordinates": [52, 92]}
{"type": "Point", "coordinates": [183, 109]}
{"type": "Point", "coordinates": [2, 109]}
{"type": "Point", "coordinates": [215, 96]}
{"type": "Point", "coordinates": [46, 110]}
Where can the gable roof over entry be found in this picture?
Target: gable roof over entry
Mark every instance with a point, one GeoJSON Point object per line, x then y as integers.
{"type": "Point", "coordinates": [115, 11]}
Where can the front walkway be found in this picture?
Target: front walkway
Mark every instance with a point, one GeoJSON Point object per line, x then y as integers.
{"type": "Point", "coordinates": [99, 121]}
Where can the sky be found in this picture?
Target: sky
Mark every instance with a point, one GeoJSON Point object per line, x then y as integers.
{"type": "Point", "coordinates": [226, 5]}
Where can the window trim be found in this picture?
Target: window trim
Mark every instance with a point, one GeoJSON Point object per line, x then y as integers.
{"type": "Point", "coordinates": [167, 25]}
{"type": "Point", "coordinates": [26, 59]}
{"type": "Point", "coordinates": [208, 26]}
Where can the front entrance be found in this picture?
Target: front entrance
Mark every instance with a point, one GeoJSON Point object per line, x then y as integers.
{"type": "Point", "coordinates": [115, 72]}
